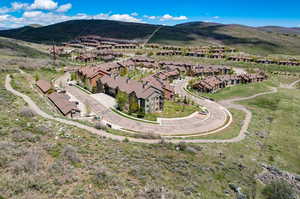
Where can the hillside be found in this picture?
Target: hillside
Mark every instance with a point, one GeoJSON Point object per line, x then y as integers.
{"type": "Point", "coordinates": [245, 38]}
{"type": "Point", "coordinates": [249, 39]}
{"type": "Point", "coordinates": [281, 30]}
{"type": "Point", "coordinates": [10, 47]}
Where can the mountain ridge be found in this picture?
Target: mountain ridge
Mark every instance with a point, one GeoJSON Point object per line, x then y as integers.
{"type": "Point", "coordinates": [257, 40]}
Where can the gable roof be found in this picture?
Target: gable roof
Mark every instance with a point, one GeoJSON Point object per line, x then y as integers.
{"type": "Point", "coordinates": [91, 72]}
{"type": "Point", "coordinates": [62, 102]}
{"type": "Point", "coordinates": [44, 85]}
{"type": "Point", "coordinates": [142, 90]}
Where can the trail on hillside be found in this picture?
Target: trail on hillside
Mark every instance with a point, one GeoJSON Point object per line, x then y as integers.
{"type": "Point", "coordinates": [152, 35]}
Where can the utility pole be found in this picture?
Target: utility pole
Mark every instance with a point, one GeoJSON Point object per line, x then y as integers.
{"type": "Point", "coordinates": [54, 53]}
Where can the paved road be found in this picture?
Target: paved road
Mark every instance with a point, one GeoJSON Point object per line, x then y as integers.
{"type": "Point", "coordinates": [35, 108]}
{"type": "Point", "coordinates": [217, 119]}
{"type": "Point", "coordinates": [188, 126]}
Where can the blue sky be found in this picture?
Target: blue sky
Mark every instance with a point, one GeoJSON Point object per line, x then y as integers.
{"type": "Point", "coordinates": [248, 12]}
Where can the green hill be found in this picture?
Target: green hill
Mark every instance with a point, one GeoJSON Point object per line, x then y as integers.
{"type": "Point", "coordinates": [10, 47]}
{"type": "Point", "coordinates": [249, 39]}
{"type": "Point", "coordinates": [245, 38]}
{"type": "Point", "coordinates": [282, 30]}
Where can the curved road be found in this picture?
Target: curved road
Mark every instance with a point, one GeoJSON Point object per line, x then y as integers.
{"type": "Point", "coordinates": [218, 118]}
{"type": "Point", "coordinates": [241, 136]}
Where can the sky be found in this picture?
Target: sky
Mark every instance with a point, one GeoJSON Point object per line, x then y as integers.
{"type": "Point", "coordinates": [18, 13]}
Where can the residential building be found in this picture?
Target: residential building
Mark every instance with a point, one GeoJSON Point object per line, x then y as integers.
{"type": "Point", "coordinates": [149, 97]}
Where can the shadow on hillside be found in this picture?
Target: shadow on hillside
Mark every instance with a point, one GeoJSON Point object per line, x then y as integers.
{"type": "Point", "coordinates": [209, 33]}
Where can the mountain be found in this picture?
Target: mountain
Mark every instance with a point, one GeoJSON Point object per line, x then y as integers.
{"type": "Point", "coordinates": [2, 28]}
{"type": "Point", "coordinates": [250, 39]}
{"type": "Point", "coordinates": [263, 40]}
{"type": "Point", "coordinates": [35, 25]}
{"type": "Point", "coordinates": [281, 30]}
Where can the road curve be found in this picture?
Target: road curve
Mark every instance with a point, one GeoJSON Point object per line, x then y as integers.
{"type": "Point", "coordinates": [241, 136]}
{"type": "Point", "coordinates": [217, 120]}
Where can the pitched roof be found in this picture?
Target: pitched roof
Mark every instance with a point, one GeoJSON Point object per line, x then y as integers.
{"type": "Point", "coordinates": [129, 86]}
{"type": "Point", "coordinates": [62, 102]}
{"type": "Point", "coordinates": [44, 85]}
{"type": "Point", "coordinates": [91, 72]}
{"type": "Point", "coordinates": [158, 83]}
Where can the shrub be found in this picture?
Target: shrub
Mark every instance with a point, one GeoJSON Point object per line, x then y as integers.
{"type": "Point", "coordinates": [153, 191]}
{"type": "Point", "coordinates": [102, 177]}
{"type": "Point", "coordinates": [27, 112]}
{"type": "Point", "coordinates": [278, 190]}
{"type": "Point", "coordinates": [71, 154]}
{"type": "Point", "coordinates": [30, 163]}
{"type": "Point", "coordinates": [100, 126]}
{"type": "Point", "coordinates": [151, 136]}
{"type": "Point", "coordinates": [20, 136]}
{"type": "Point", "coordinates": [181, 146]}
{"type": "Point", "coordinates": [141, 113]}
{"type": "Point", "coordinates": [36, 77]}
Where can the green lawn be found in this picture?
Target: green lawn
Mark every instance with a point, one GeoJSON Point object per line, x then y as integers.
{"type": "Point", "coordinates": [245, 90]}
{"type": "Point", "coordinates": [138, 74]}
{"type": "Point", "coordinates": [173, 110]}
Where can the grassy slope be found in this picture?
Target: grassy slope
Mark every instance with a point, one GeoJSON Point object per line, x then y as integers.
{"type": "Point", "coordinates": [9, 47]}
{"type": "Point", "coordinates": [252, 40]}
{"type": "Point", "coordinates": [248, 39]}
{"type": "Point", "coordinates": [108, 169]}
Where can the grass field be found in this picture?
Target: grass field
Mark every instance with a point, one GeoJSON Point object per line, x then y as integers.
{"type": "Point", "coordinates": [138, 74]}
{"type": "Point", "coordinates": [173, 110]}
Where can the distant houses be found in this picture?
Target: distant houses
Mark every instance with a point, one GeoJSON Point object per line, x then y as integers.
{"type": "Point", "coordinates": [106, 46]}
{"type": "Point", "coordinates": [212, 84]}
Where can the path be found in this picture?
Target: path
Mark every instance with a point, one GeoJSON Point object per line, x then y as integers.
{"type": "Point", "coordinates": [290, 86]}
{"type": "Point", "coordinates": [154, 32]}
{"type": "Point", "coordinates": [38, 111]}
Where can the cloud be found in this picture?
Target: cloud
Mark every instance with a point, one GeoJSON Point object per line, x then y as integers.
{"type": "Point", "coordinates": [4, 17]}
{"type": "Point", "coordinates": [64, 8]}
{"type": "Point", "coordinates": [32, 14]}
{"type": "Point", "coordinates": [36, 5]}
{"type": "Point", "coordinates": [47, 18]}
{"type": "Point", "coordinates": [135, 14]}
{"type": "Point", "coordinates": [4, 10]}
{"type": "Point", "coordinates": [124, 17]}
{"type": "Point", "coordinates": [168, 17]}
{"type": "Point", "coordinates": [15, 6]}
{"type": "Point", "coordinates": [150, 17]}
{"type": "Point", "coordinates": [44, 5]}
{"type": "Point", "coordinates": [19, 6]}
{"type": "Point", "coordinates": [216, 17]}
